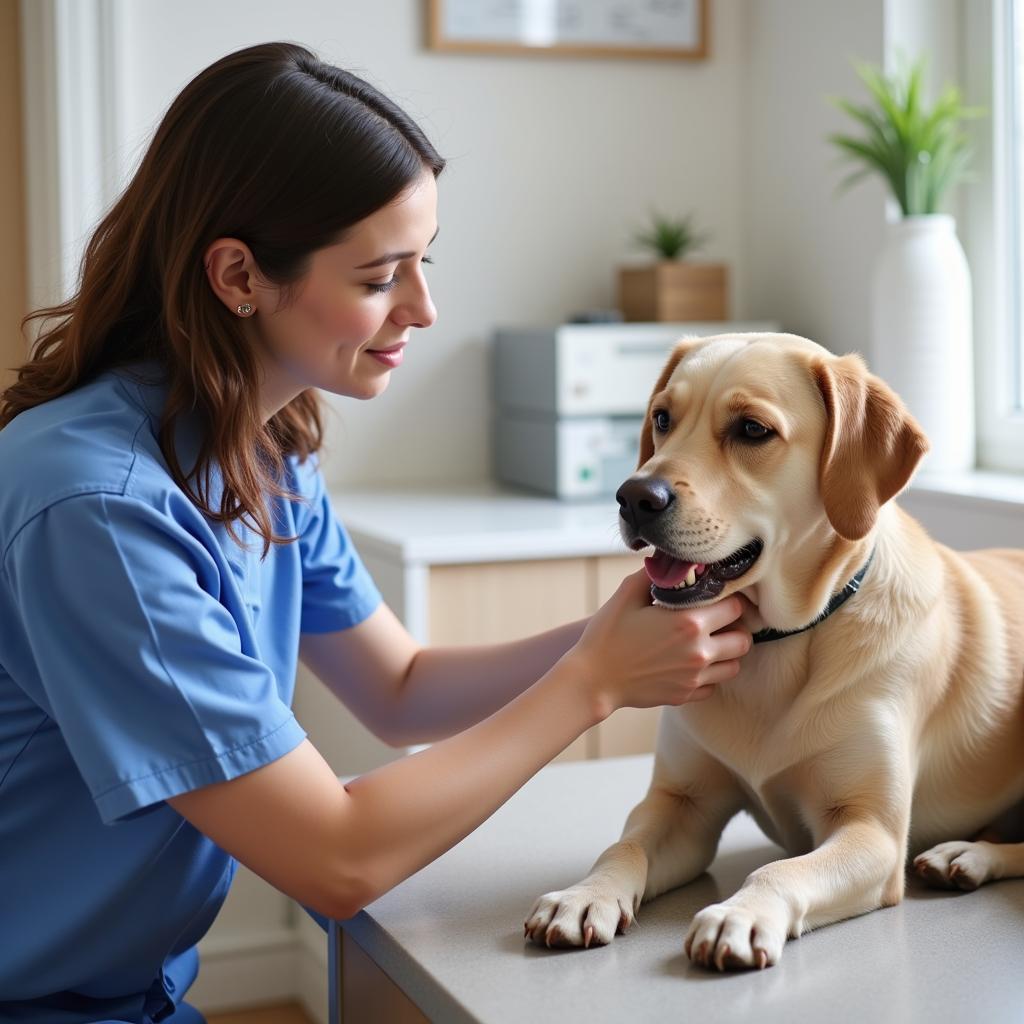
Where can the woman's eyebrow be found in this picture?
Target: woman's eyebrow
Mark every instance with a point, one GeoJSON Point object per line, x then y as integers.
{"type": "Point", "coordinates": [393, 257]}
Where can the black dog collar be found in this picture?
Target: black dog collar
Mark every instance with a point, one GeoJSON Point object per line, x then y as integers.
{"type": "Point", "coordinates": [851, 588]}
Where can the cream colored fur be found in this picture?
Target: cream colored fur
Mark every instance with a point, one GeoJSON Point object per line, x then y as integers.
{"type": "Point", "coordinates": [892, 730]}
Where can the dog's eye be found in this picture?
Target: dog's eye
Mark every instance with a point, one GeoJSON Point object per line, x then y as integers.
{"type": "Point", "coordinates": [751, 430]}
{"type": "Point", "coordinates": [660, 419]}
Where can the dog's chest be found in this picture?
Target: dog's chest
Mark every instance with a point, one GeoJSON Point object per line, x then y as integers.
{"type": "Point", "coordinates": [750, 731]}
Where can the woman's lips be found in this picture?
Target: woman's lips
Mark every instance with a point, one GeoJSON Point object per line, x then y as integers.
{"type": "Point", "coordinates": [388, 356]}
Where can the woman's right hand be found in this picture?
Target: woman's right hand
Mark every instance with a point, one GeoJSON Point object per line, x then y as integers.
{"type": "Point", "coordinates": [636, 654]}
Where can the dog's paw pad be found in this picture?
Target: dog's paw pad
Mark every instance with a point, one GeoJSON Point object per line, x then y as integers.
{"type": "Point", "coordinates": [581, 916]}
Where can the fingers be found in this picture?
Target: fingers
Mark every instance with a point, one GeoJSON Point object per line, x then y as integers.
{"type": "Point", "coordinates": [709, 678]}
{"type": "Point", "coordinates": [701, 693]}
{"type": "Point", "coordinates": [733, 643]}
{"type": "Point", "coordinates": [637, 587]}
{"type": "Point", "coordinates": [719, 672]}
{"type": "Point", "coordinates": [719, 614]}
{"type": "Point", "coordinates": [746, 605]}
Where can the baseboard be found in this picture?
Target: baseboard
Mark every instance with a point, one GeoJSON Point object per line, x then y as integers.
{"type": "Point", "coordinates": [251, 969]}
{"type": "Point", "coordinates": [247, 969]}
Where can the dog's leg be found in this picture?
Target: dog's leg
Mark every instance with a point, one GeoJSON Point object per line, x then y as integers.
{"type": "Point", "coordinates": [992, 853]}
{"type": "Point", "coordinates": [859, 867]}
{"type": "Point", "coordinates": [966, 865]}
{"type": "Point", "coordinates": [669, 838]}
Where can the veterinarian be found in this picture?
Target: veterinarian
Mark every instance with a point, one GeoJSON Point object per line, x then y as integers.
{"type": "Point", "coordinates": [169, 552]}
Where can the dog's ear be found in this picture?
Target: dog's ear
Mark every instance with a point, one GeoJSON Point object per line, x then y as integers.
{"type": "Point", "coordinates": [646, 435]}
{"type": "Point", "coordinates": [872, 444]}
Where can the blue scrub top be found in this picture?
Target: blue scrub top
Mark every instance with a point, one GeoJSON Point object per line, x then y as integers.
{"type": "Point", "coordinates": [143, 653]}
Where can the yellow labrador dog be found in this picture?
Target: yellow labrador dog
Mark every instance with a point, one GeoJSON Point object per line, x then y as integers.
{"type": "Point", "coordinates": [882, 712]}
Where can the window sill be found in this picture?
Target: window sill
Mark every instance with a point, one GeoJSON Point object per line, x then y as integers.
{"type": "Point", "coordinates": [977, 488]}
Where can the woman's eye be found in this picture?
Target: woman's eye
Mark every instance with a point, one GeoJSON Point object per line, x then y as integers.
{"type": "Point", "coordinates": [660, 418]}
{"type": "Point", "coordinates": [751, 430]}
{"type": "Point", "coordinates": [388, 285]}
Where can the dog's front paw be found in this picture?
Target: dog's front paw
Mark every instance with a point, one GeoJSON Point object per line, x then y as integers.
{"type": "Point", "coordinates": [737, 934]}
{"type": "Point", "coordinates": [958, 865]}
{"type": "Point", "coordinates": [583, 915]}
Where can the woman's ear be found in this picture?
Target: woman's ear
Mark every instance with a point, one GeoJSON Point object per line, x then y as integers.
{"type": "Point", "coordinates": [646, 435]}
{"type": "Point", "coordinates": [872, 444]}
{"type": "Point", "coordinates": [229, 266]}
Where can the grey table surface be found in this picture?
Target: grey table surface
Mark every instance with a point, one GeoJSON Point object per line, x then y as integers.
{"type": "Point", "coordinates": [452, 935]}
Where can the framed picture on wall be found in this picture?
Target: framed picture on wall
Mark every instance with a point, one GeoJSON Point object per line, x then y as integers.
{"type": "Point", "coordinates": [589, 28]}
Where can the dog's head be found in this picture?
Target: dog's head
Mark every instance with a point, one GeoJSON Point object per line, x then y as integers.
{"type": "Point", "coordinates": [760, 454]}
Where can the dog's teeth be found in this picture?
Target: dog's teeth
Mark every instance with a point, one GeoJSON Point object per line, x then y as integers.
{"type": "Point", "coordinates": [691, 576]}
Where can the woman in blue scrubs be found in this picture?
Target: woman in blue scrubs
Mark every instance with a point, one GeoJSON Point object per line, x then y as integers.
{"type": "Point", "coordinates": [168, 552]}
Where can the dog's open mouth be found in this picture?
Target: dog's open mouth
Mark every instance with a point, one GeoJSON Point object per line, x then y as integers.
{"type": "Point", "coordinates": [678, 582]}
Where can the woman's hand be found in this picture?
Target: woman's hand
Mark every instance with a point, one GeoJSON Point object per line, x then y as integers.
{"type": "Point", "coordinates": [634, 654]}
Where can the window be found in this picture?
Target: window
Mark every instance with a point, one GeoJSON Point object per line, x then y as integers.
{"type": "Point", "coordinates": [993, 231]}
{"type": "Point", "coordinates": [1014, 165]}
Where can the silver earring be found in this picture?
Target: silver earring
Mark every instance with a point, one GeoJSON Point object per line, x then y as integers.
{"type": "Point", "coordinates": [245, 309]}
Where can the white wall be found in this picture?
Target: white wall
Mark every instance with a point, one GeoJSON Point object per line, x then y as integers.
{"type": "Point", "coordinates": [552, 162]}
{"type": "Point", "coordinates": [808, 249]}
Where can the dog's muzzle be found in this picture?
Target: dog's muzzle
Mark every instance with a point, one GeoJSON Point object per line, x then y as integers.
{"type": "Point", "coordinates": [675, 578]}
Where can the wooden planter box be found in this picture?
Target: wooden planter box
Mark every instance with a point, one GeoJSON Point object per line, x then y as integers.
{"type": "Point", "coordinates": [674, 290]}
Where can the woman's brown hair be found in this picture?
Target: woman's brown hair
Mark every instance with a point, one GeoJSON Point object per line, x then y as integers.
{"type": "Point", "coordinates": [269, 145]}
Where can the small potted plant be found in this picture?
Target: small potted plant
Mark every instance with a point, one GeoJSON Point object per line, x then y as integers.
{"type": "Point", "coordinates": [673, 288]}
{"type": "Point", "coordinates": [921, 285]}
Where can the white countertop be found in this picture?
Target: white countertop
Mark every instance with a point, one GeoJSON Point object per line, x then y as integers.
{"type": "Point", "coordinates": [483, 522]}
{"type": "Point", "coordinates": [452, 935]}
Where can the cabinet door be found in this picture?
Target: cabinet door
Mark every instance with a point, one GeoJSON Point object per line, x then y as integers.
{"type": "Point", "coordinates": [628, 730]}
{"type": "Point", "coordinates": [491, 602]}
{"type": "Point", "coordinates": [365, 991]}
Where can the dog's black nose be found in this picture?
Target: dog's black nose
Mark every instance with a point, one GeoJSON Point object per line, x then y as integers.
{"type": "Point", "coordinates": [643, 499]}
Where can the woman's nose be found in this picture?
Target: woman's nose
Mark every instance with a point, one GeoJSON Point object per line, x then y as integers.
{"type": "Point", "coordinates": [418, 310]}
{"type": "Point", "coordinates": [426, 312]}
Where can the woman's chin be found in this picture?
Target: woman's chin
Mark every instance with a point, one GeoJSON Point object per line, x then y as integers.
{"type": "Point", "coordinates": [364, 389]}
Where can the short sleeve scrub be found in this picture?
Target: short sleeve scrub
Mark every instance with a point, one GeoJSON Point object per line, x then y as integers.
{"type": "Point", "coordinates": [143, 653]}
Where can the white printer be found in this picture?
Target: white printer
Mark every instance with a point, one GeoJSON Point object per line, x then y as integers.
{"type": "Point", "coordinates": [569, 401]}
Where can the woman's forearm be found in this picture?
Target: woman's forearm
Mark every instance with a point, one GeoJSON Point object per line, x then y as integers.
{"type": "Point", "coordinates": [400, 817]}
{"type": "Point", "coordinates": [407, 813]}
{"type": "Point", "coordinates": [450, 688]}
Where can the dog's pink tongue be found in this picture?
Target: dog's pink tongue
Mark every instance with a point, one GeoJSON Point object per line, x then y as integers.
{"type": "Point", "coordinates": [666, 571]}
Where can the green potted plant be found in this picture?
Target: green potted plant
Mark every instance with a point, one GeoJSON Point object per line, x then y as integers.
{"type": "Point", "coordinates": [921, 287]}
{"type": "Point", "coordinates": [671, 287]}
{"type": "Point", "coordinates": [919, 152]}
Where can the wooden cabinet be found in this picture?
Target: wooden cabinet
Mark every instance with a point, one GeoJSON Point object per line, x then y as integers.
{"type": "Point", "coordinates": [496, 601]}
{"type": "Point", "coordinates": [491, 602]}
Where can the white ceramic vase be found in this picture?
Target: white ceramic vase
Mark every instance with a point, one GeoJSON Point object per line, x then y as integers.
{"type": "Point", "coordinates": [921, 334]}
